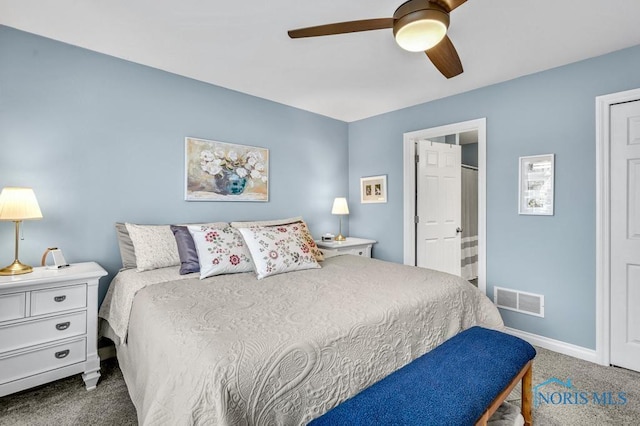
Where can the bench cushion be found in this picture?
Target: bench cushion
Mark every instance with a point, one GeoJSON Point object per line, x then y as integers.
{"type": "Point", "coordinates": [451, 385]}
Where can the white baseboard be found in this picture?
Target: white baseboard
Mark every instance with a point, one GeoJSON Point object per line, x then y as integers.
{"type": "Point", "coordinates": [107, 352]}
{"type": "Point", "coordinates": [555, 345]}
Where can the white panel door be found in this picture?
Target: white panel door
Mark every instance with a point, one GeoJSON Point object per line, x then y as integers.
{"type": "Point", "coordinates": [625, 235]}
{"type": "Point", "coordinates": [439, 206]}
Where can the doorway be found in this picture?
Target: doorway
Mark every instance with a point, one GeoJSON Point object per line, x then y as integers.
{"type": "Point", "coordinates": [440, 134]}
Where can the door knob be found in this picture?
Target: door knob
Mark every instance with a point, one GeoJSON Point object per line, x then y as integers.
{"type": "Point", "coordinates": [458, 230]}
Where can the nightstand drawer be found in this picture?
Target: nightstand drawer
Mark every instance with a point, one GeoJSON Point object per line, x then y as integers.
{"type": "Point", "coordinates": [12, 306]}
{"type": "Point", "coordinates": [35, 362]}
{"type": "Point", "coordinates": [58, 299]}
{"type": "Point", "coordinates": [362, 251]}
{"type": "Point", "coordinates": [353, 246]}
{"type": "Point", "coordinates": [33, 333]}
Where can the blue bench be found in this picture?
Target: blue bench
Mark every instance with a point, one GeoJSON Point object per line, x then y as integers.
{"type": "Point", "coordinates": [461, 382]}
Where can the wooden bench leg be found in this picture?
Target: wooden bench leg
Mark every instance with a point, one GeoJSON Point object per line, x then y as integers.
{"type": "Point", "coordinates": [525, 406]}
{"type": "Point", "coordinates": [525, 375]}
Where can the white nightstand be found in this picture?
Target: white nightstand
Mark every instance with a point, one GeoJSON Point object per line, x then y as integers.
{"type": "Point", "coordinates": [356, 246]}
{"type": "Point", "coordinates": [49, 326]}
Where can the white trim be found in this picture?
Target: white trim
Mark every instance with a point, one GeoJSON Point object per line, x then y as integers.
{"type": "Point", "coordinates": [409, 203]}
{"type": "Point", "coordinates": [555, 345]}
{"type": "Point", "coordinates": [603, 220]}
{"type": "Point", "coordinates": [409, 186]}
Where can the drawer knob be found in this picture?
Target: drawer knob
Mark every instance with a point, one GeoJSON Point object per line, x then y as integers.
{"type": "Point", "coordinates": [59, 298]}
{"type": "Point", "coordinates": [63, 325]}
{"type": "Point", "coordinates": [62, 354]}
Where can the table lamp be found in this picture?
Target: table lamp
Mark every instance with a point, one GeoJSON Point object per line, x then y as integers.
{"type": "Point", "coordinates": [340, 208]}
{"type": "Point", "coordinates": [18, 204]}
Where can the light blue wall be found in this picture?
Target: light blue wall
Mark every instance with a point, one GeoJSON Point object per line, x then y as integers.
{"type": "Point", "coordinates": [101, 140]}
{"type": "Point", "coordinates": [548, 112]}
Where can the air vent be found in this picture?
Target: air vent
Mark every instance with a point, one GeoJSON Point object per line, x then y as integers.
{"type": "Point", "coordinates": [519, 301]}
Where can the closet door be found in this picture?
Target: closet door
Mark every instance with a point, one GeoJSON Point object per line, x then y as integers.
{"type": "Point", "coordinates": [625, 235]}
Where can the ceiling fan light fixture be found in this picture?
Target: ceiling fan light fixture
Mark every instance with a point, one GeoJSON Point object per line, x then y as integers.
{"type": "Point", "coordinates": [421, 30]}
{"type": "Point", "coordinates": [418, 26]}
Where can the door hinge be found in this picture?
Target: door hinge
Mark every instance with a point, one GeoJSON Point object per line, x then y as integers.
{"type": "Point", "coordinates": [417, 158]}
{"type": "Point", "coordinates": [416, 219]}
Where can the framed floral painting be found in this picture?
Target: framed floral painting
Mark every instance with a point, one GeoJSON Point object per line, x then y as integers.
{"type": "Point", "coordinates": [219, 171]}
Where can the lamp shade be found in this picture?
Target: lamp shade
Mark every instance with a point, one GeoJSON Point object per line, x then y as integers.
{"type": "Point", "coordinates": [340, 206]}
{"type": "Point", "coordinates": [19, 204]}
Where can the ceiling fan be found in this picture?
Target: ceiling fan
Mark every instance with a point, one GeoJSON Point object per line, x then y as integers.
{"type": "Point", "coordinates": [418, 26]}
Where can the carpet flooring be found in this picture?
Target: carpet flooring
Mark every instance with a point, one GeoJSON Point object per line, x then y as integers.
{"type": "Point", "coordinates": [66, 402]}
{"type": "Point", "coordinates": [587, 378]}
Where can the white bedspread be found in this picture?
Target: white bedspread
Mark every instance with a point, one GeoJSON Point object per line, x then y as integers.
{"type": "Point", "coordinates": [232, 350]}
{"type": "Point", "coordinates": [116, 307]}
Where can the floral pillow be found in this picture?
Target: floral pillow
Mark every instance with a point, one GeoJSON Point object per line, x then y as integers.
{"type": "Point", "coordinates": [297, 220]}
{"type": "Point", "coordinates": [278, 249]}
{"type": "Point", "coordinates": [220, 250]}
{"type": "Point", "coordinates": [317, 253]}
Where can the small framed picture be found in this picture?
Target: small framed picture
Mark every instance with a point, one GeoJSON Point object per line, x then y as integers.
{"type": "Point", "coordinates": [536, 185]}
{"type": "Point", "coordinates": [373, 189]}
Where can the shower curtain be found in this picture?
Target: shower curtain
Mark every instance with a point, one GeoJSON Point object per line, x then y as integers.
{"type": "Point", "coordinates": [469, 258]}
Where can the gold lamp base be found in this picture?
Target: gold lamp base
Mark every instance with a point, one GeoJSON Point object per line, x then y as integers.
{"type": "Point", "coordinates": [16, 268]}
{"type": "Point", "coordinates": [340, 237]}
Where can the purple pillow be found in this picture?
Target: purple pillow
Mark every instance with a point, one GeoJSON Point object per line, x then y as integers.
{"type": "Point", "coordinates": [186, 250]}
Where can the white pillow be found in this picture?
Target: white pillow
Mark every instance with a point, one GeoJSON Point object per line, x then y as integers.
{"type": "Point", "coordinates": [278, 249]}
{"type": "Point", "coordinates": [154, 245]}
{"type": "Point", "coordinates": [221, 250]}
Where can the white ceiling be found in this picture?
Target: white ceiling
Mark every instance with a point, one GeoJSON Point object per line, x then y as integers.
{"type": "Point", "coordinates": [243, 45]}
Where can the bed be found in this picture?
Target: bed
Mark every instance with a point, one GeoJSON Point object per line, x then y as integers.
{"type": "Point", "coordinates": [234, 350]}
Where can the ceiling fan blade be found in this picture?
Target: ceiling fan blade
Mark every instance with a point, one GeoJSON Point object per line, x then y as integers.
{"type": "Point", "coordinates": [445, 58]}
{"type": "Point", "coordinates": [342, 28]}
{"type": "Point", "coordinates": [449, 5]}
